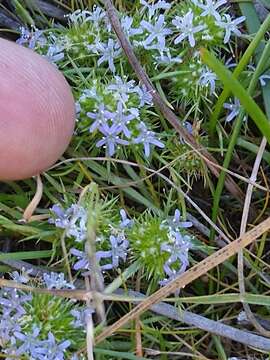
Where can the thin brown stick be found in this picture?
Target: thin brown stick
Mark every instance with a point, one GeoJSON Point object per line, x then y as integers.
{"type": "Point", "coordinates": [244, 220]}
{"type": "Point", "coordinates": [160, 104]}
{"type": "Point", "coordinates": [194, 273]}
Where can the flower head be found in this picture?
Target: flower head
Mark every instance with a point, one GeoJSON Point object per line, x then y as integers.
{"type": "Point", "coordinates": [208, 78]}
{"type": "Point", "coordinates": [186, 27]}
{"type": "Point", "coordinates": [56, 281]}
{"type": "Point", "coordinates": [73, 220]}
{"type": "Point", "coordinates": [176, 223]}
{"type": "Point", "coordinates": [122, 89]}
{"type": "Point", "coordinates": [234, 109]}
{"type": "Point", "coordinates": [108, 52]}
{"type": "Point", "coordinates": [31, 38]}
{"type": "Point", "coordinates": [157, 34]}
{"type": "Point", "coordinates": [101, 117]}
{"type": "Point", "coordinates": [230, 26]}
{"type": "Point", "coordinates": [110, 139]}
{"type": "Point", "coordinates": [147, 138]}
{"type": "Point", "coordinates": [144, 95]}
{"type": "Point", "coordinates": [210, 8]}
{"type": "Point", "coordinates": [121, 120]}
{"type": "Point", "coordinates": [178, 260]}
{"type": "Point", "coordinates": [119, 246]}
{"type": "Point", "coordinates": [152, 8]}
{"type": "Point", "coordinates": [55, 350]}
{"type": "Point", "coordinates": [125, 222]}
{"type": "Point", "coordinates": [83, 262]}
{"type": "Point", "coordinates": [30, 344]}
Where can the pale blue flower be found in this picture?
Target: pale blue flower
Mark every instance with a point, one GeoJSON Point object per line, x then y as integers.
{"type": "Point", "coordinates": [152, 8]}
{"type": "Point", "coordinates": [30, 344]}
{"type": "Point", "coordinates": [73, 220]}
{"type": "Point", "coordinates": [80, 316]}
{"type": "Point", "coordinates": [78, 108]}
{"type": "Point", "coordinates": [144, 95]}
{"type": "Point", "coordinates": [176, 222]}
{"type": "Point", "coordinates": [91, 94]}
{"type": "Point", "coordinates": [129, 31]}
{"type": "Point", "coordinates": [108, 52]}
{"type": "Point", "coordinates": [157, 32]}
{"type": "Point", "coordinates": [55, 351]}
{"type": "Point", "coordinates": [230, 26]}
{"type": "Point", "coordinates": [188, 126]}
{"type": "Point", "coordinates": [101, 117]}
{"type": "Point", "coordinates": [8, 325]}
{"type": "Point", "coordinates": [186, 27]}
{"type": "Point", "coordinates": [234, 109]}
{"type": "Point", "coordinates": [147, 138]}
{"type": "Point", "coordinates": [168, 59]}
{"type": "Point", "coordinates": [178, 261]}
{"type": "Point", "coordinates": [208, 78]}
{"type": "Point", "coordinates": [83, 262]}
{"type": "Point", "coordinates": [22, 277]}
{"type": "Point", "coordinates": [263, 79]}
{"type": "Point", "coordinates": [31, 38]}
{"type": "Point", "coordinates": [125, 222]}
{"type": "Point", "coordinates": [121, 120]}
{"type": "Point", "coordinates": [119, 246]}
{"type": "Point", "coordinates": [110, 139]}
{"type": "Point", "coordinates": [54, 54]}
{"type": "Point", "coordinates": [56, 281]}
{"type": "Point", "coordinates": [97, 15]}
{"type": "Point", "coordinates": [12, 301]}
{"type": "Point", "coordinates": [122, 88]}
{"type": "Point", "coordinates": [210, 8]}
{"type": "Point", "coordinates": [79, 16]}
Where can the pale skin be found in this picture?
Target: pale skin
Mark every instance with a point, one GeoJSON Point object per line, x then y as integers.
{"type": "Point", "coordinates": [37, 113]}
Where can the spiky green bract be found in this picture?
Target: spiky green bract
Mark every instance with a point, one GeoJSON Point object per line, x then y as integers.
{"type": "Point", "coordinates": [147, 236]}
{"type": "Point", "coordinates": [52, 314]}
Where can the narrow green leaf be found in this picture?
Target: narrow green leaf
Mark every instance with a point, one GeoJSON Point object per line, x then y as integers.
{"type": "Point", "coordinates": [255, 47]}
{"type": "Point", "coordinates": [26, 255]}
{"type": "Point", "coordinates": [237, 89]}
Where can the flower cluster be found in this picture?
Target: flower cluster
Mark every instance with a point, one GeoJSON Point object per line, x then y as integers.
{"type": "Point", "coordinates": [161, 246]}
{"type": "Point", "coordinates": [158, 30]}
{"type": "Point", "coordinates": [116, 245]}
{"type": "Point", "coordinates": [115, 115]}
{"type": "Point", "coordinates": [22, 332]}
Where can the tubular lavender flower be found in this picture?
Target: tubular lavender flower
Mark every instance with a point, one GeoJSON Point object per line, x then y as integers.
{"type": "Point", "coordinates": [157, 32]}
{"type": "Point", "coordinates": [208, 78]}
{"type": "Point", "coordinates": [178, 259]}
{"type": "Point", "coordinates": [210, 8]}
{"type": "Point", "coordinates": [234, 109]}
{"type": "Point", "coordinates": [73, 220]}
{"type": "Point", "coordinates": [109, 52]}
{"type": "Point", "coordinates": [56, 281]}
{"type": "Point", "coordinates": [152, 8]}
{"type": "Point", "coordinates": [121, 120]}
{"type": "Point", "coordinates": [101, 117]}
{"type": "Point", "coordinates": [122, 89]}
{"type": "Point", "coordinates": [186, 27]}
{"type": "Point", "coordinates": [230, 26]}
{"type": "Point", "coordinates": [147, 138]}
{"type": "Point", "coordinates": [110, 139]}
